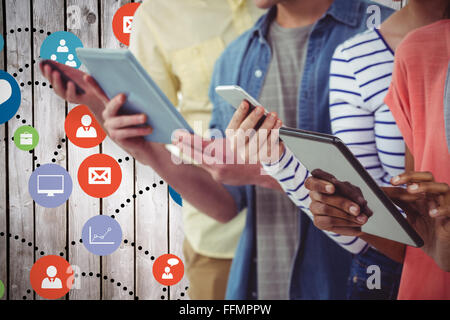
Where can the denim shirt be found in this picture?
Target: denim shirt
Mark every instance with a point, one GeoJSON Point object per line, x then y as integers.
{"type": "Point", "coordinates": [321, 267]}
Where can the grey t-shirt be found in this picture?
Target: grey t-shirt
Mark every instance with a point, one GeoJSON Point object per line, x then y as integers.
{"type": "Point", "coordinates": [277, 226]}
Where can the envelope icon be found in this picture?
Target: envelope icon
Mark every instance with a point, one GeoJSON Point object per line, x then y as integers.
{"type": "Point", "coordinates": [99, 176]}
{"type": "Point", "coordinates": [127, 24]}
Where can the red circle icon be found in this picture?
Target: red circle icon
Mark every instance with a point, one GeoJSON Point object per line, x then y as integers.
{"type": "Point", "coordinates": [51, 277]}
{"type": "Point", "coordinates": [82, 128]}
{"type": "Point", "coordinates": [123, 22]}
{"type": "Point", "coordinates": [168, 270]}
{"type": "Point", "coordinates": [99, 175]}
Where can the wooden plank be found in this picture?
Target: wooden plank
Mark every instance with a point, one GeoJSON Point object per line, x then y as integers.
{"type": "Point", "coordinates": [120, 265]}
{"type": "Point", "coordinates": [49, 115]}
{"type": "Point", "coordinates": [3, 190]}
{"type": "Point", "coordinates": [176, 239]}
{"type": "Point", "coordinates": [20, 162]}
{"type": "Point", "coordinates": [151, 231]}
{"type": "Point", "coordinates": [81, 206]}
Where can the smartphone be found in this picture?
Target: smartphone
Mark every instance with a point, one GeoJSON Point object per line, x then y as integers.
{"type": "Point", "coordinates": [234, 95]}
{"type": "Point", "coordinates": [64, 78]}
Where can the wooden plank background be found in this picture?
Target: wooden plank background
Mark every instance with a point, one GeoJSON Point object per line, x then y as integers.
{"type": "Point", "coordinates": [150, 220]}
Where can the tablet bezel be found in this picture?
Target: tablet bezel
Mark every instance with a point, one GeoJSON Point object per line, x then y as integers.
{"type": "Point", "coordinates": [345, 151]}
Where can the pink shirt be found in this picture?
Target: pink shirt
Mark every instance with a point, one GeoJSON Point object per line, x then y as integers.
{"type": "Point", "coordinates": [416, 99]}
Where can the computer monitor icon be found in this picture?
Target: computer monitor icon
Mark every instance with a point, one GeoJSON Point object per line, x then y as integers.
{"type": "Point", "coordinates": [50, 184]}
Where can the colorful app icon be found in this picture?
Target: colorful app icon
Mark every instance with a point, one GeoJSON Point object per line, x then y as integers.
{"type": "Point", "coordinates": [10, 97]}
{"type": "Point", "coordinates": [101, 235]}
{"type": "Point", "coordinates": [26, 138]}
{"type": "Point", "coordinates": [50, 185]}
{"type": "Point", "coordinates": [2, 43]}
{"type": "Point", "coordinates": [99, 175]}
{"type": "Point", "coordinates": [2, 289]}
{"type": "Point", "coordinates": [168, 270]}
{"type": "Point", "coordinates": [123, 22]}
{"type": "Point", "coordinates": [51, 277]}
{"type": "Point", "coordinates": [82, 129]}
{"type": "Point", "coordinates": [61, 47]}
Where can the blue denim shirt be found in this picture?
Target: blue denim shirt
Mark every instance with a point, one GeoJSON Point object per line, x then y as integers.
{"type": "Point", "coordinates": [321, 267]}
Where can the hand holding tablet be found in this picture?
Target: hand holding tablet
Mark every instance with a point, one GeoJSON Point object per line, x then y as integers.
{"type": "Point", "coordinates": [118, 72]}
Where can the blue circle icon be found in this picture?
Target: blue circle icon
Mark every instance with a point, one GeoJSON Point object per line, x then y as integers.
{"type": "Point", "coordinates": [61, 47]}
{"type": "Point", "coordinates": [10, 97]}
{"type": "Point", "coordinates": [1, 43]}
{"type": "Point", "coordinates": [101, 235]}
{"type": "Point", "coordinates": [50, 185]}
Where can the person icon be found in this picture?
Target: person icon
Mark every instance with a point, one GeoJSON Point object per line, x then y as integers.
{"type": "Point", "coordinates": [71, 62]}
{"type": "Point", "coordinates": [167, 275]}
{"type": "Point", "coordinates": [62, 47]}
{"type": "Point", "coordinates": [53, 57]}
{"type": "Point", "coordinates": [51, 282]}
{"type": "Point", "coordinates": [86, 131]}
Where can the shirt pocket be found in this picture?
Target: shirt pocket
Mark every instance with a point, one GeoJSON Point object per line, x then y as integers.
{"type": "Point", "coordinates": [194, 66]}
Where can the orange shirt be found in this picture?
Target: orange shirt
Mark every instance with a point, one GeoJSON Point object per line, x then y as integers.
{"type": "Point", "coordinates": [416, 99]}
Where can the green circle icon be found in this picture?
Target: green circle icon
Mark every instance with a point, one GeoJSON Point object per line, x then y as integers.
{"type": "Point", "coordinates": [26, 138]}
{"type": "Point", "coordinates": [2, 289]}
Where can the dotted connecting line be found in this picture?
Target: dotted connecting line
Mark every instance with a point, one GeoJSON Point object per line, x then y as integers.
{"type": "Point", "coordinates": [34, 30]}
{"type": "Point", "coordinates": [73, 243]}
{"type": "Point", "coordinates": [134, 196]}
{"type": "Point", "coordinates": [56, 153]}
{"type": "Point", "coordinates": [105, 278]}
{"type": "Point", "coordinates": [22, 84]}
{"type": "Point", "coordinates": [90, 274]}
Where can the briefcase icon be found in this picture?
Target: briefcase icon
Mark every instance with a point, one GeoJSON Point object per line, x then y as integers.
{"type": "Point", "coordinates": [26, 139]}
{"type": "Point", "coordinates": [99, 176]}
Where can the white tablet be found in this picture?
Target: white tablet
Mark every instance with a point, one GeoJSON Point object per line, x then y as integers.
{"type": "Point", "coordinates": [329, 153]}
{"type": "Point", "coordinates": [118, 71]}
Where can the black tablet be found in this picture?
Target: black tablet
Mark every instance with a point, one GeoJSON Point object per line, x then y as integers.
{"type": "Point", "coordinates": [329, 153]}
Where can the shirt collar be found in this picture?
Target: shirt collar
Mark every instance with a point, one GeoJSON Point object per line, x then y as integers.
{"type": "Point", "coordinates": [344, 11]}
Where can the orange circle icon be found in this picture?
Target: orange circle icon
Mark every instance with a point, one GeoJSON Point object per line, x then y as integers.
{"type": "Point", "coordinates": [99, 175]}
{"type": "Point", "coordinates": [123, 22]}
{"type": "Point", "coordinates": [168, 270]}
{"type": "Point", "coordinates": [51, 277]}
{"type": "Point", "coordinates": [82, 128]}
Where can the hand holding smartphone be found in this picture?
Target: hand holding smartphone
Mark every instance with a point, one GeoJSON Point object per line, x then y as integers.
{"type": "Point", "coordinates": [234, 95]}
{"type": "Point", "coordinates": [64, 72]}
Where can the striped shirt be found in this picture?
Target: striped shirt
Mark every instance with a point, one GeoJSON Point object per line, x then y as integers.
{"type": "Point", "coordinates": [360, 76]}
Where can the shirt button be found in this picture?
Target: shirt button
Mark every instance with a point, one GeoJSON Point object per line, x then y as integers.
{"type": "Point", "coordinates": [258, 73]}
{"type": "Point", "coordinates": [355, 279]}
{"type": "Point", "coordinates": [254, 295]}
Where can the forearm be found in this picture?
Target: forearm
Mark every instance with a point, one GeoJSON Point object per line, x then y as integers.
{"type": "Point", "coordinates": [193, 183]}
{"type": "Point", "coordinates": [442, 255]}
{"type": "Point", "coordinates": [392, 249]}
